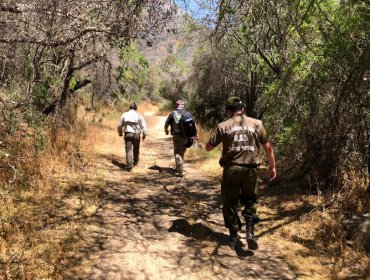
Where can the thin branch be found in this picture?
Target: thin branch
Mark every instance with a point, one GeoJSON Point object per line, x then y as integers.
{"type": "Point", "coordinates": [274, 68]}
{"type": "Point", "coordinates": [304, 15]}
{"type": "Point", "coordinates": [14, 174]}
{"type": "Point", "coordinates": [54, 43]}
{"type": "Point", "coordinates": [367, 2]}
{"type": "Point", "coordinates": [80, 84]}
{"type": "Point", "coordinates": [93, 60]}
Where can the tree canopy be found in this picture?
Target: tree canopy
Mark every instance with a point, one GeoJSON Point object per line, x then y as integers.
{"type": "Point", "coordinates": [302, 66]}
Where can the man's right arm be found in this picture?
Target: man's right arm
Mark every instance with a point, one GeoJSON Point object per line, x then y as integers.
{"type": "Point", "coordinates": [214, 141]}
{"type": "Point", "coordinates": [167, 123]}
{"type": "Point", "coordinates": [120, 125]}
{"type": "Point", "coordinates": [209, 147]}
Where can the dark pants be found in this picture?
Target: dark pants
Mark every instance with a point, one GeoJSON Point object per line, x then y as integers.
{"type": "Point", "coordinates": [239, 183]}
{"type": "Point", "coordinates": [132, 142]}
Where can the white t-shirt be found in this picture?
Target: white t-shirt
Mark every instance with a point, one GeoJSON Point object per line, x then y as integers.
{"type": "Point", "coordinates": [133, 122]}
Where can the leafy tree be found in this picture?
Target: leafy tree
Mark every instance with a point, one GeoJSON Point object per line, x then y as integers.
{"type": "Point", "coordinates": [173, 84]}
{"type": "Point", "coordinates": [46, 43]}
{"type": "Point", "coordinates": [133, 74]}
{"type": "Point", "coordinates": [304, 67]}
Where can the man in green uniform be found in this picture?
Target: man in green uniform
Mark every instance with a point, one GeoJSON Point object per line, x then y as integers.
{"type": "Point", "coordinates": [241, 137]}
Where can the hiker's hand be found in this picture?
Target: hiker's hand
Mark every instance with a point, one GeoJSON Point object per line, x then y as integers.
{"type": "Point", "coordinates": [272, 173]}
{"type": "Point", "coordinates": [196, 138]}
{"type": "Point", "coordinates": [166, 131]}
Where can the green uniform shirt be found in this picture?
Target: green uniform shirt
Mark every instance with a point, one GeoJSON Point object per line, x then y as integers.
{"type": "Point", "coordinates": [241, 137]}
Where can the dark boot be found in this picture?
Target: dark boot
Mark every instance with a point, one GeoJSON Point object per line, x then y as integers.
{"type": "Point", "coordinates": [129, 167]}
{"type": "Point", "coordinates": [252, 243]}
{"type": "Point", "coordinates": [233, 238]}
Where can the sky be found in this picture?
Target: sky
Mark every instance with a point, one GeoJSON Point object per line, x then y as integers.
{"type": "Point", "coordinates": [198, 9]}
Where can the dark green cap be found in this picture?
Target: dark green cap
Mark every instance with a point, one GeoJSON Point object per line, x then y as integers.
{"type": "Point", "coordinates": [234, 102]}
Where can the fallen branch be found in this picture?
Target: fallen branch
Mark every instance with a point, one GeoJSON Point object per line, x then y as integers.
{"type": "Point", "coordinates": [10, 8]}
{"type": "Point", "coordinates": [15, 170]}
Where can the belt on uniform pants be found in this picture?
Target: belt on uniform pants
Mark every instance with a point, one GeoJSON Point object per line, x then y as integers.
{"type": "Point", "coordinates": [251, 165]}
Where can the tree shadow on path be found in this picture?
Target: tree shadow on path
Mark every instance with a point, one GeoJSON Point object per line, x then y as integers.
{"type": "Point", "coordinates": [119, 164]}
{"type": "Point", "coordinates": [168, 170]}
{"type": "Point", "coordinates": [152, 225]}
{"type": "Point", "coordinates": [201, 232]}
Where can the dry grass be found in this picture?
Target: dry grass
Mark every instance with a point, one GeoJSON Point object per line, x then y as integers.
{"type": "Point", "coordinates": [308, 233]}
{"type": "Point", "coordinates": [147, 108]}
{"type": "Point", "coordinates": [207, 162]}
{"type": "Point", "coordinates": [34, 237]}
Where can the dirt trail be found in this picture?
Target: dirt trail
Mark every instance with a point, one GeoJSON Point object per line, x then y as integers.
{"type": "Point", "coordinates": [149, 224]}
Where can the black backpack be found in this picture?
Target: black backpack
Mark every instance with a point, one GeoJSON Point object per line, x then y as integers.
{"type": "Point", "coordinates": [186, 125]}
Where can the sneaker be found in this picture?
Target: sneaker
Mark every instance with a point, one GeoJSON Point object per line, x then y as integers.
{"type": "Point", "coordinates": [179, 172]}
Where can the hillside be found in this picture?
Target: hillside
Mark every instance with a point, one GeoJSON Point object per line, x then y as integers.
{"type": "Point", "coordinates": [174, 40]}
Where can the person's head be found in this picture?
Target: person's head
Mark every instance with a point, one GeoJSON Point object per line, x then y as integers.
{"type": "Point", "coordinates": [180, 105]}
{"type": "Point", "coordinates": [234, 106]}
{"type": "Point", "coordinates": [133, 106]}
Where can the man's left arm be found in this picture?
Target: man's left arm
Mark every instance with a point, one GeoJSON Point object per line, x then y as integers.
{"type": "Point", "coordinates": [196, 137]}
{"type": "Point", "coordinates": [271, 158]}
{"type": "Point", "coordinates": [143, 126]}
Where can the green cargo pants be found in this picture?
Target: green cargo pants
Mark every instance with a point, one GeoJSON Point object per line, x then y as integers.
{"type": "Point", "coordinates": [239, 183]}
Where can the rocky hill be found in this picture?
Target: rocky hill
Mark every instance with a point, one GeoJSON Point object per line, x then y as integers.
{"type": "Point", "coordinates": [175, 40]}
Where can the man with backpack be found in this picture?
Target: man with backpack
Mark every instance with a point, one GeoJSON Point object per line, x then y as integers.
{"type": "Point", "coordinates": [241, 137]}
{"type": "Point", "coordinates": [183, 129]}
{"type": "Point", "coordinates": [133, 124]}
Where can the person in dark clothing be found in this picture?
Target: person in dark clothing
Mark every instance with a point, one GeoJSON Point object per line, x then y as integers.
{"type": "Point", "coordinates": [180, 142]}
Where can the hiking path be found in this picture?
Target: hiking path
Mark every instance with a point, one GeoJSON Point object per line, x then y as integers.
{"type": "Point", "coordinates": [150, 224]}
